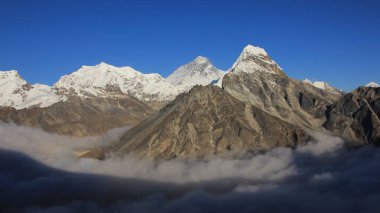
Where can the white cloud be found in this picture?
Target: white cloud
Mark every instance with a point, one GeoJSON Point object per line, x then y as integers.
{"type": "Point", "coordinates": [320, 176]}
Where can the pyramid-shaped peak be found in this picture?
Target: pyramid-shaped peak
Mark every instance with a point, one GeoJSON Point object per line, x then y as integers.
{"type": "Point", "coordinates": [253, 50]}
{"type": "Point", "coordinates": [201, 59]}
{"type": "Point", "coordinates": [255, 59]}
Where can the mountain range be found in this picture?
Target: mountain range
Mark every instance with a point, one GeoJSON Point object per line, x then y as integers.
{"type": "Point", "coordinates": [196, 111]}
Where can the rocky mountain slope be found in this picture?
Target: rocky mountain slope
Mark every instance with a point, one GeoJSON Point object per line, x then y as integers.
{"type": "Point", "coordinates": [207, 120]}
{"type": "Point", "coordinates": [257, 79]}
{"type": "Point", "coordinates": [200, 71]}
{"type": "Point", "coordinates": [258, 107]}
{"type": "Point", "coordinates": [356, 116]}
{"type": "Point", "coordinates": [81, 116]}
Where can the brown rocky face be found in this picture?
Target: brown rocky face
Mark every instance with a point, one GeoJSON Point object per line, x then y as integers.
{"type": "Point", "coordinates": [81, 117]}
{"type": "Point", "coordinates": [356, 116]}
{"type": "Point", "coordinates": [280, 96]}
{"type": "Point", "coordinates": [205, 121]}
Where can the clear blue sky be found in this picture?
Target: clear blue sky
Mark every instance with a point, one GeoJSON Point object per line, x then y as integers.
{"type": "Point", "coordinates": [335, 41]}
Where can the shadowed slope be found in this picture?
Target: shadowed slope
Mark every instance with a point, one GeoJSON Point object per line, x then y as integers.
{"type": "Point", "coordinates": [356, 116]}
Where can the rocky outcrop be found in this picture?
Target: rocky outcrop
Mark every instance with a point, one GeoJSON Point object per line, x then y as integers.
{"type": "Point", "coordinates": [207, 121]}
{"type": "Point", "coordinates": [81, 117]}
{"type": "Point", "coordinates": [356, 116]}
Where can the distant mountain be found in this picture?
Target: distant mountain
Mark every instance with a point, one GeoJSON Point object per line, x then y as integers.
{"type": "Point", "coordinates": [322, 85]}
{"type": "Point", "coordinates": [104, 80]}
{"type": "Point", "coordinates": [50, 109]}
{"type": "Point", "coordinates": [200, 71]}
{"type": "Point", "coordinates": [16, 92]}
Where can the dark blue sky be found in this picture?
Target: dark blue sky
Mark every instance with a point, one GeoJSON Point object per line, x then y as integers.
{"type": "Point", "coordinates": [334, 41]}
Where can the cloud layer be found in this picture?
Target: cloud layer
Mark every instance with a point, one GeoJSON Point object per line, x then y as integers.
{"type": "Point", "coordinates": [40, 172]}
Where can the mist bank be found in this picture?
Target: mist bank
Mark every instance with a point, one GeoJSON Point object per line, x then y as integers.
{"type": "Point", "coordinates": [40, 172]}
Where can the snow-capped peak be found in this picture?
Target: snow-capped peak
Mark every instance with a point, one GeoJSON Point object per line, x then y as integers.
{"type": "Point", "coordinates": [322, 85]}
{"type": "Point", "coordinates": [16, 92]}
{"type": "Point", "coordinates": [105, 80]}
{"type": "Point", "coordinates": [10, 81]}
{"type": "Point", "coordinates": [252, 50]}
{"type": "Point", "coordinates": [255, 59]}
{"type": "Point", "coordinates": [10, 74]}
{"type": "Point", "coordinates": [199, 71]}
{"type": "Point", "coordinates": [372, 84]}
{"type": "Point", "coordinates": [201, 59]}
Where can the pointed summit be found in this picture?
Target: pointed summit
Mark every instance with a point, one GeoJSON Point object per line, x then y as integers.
{"type": "Point", "coordinates": [252, 50]}
{"type": "Point", "coordinates": [11, 81]}
{"type": "Point", "coordinates": [11, 77]}
{"type": "Point", "coordinates": [201, 59]}
{"type": "Point", "coordinates": [199, 71]}
{"type": "Point", "coordinates": [256, 59]}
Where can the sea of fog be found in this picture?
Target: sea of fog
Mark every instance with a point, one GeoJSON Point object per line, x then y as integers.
{"type": "Point", "coordinates": [40, 172]}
